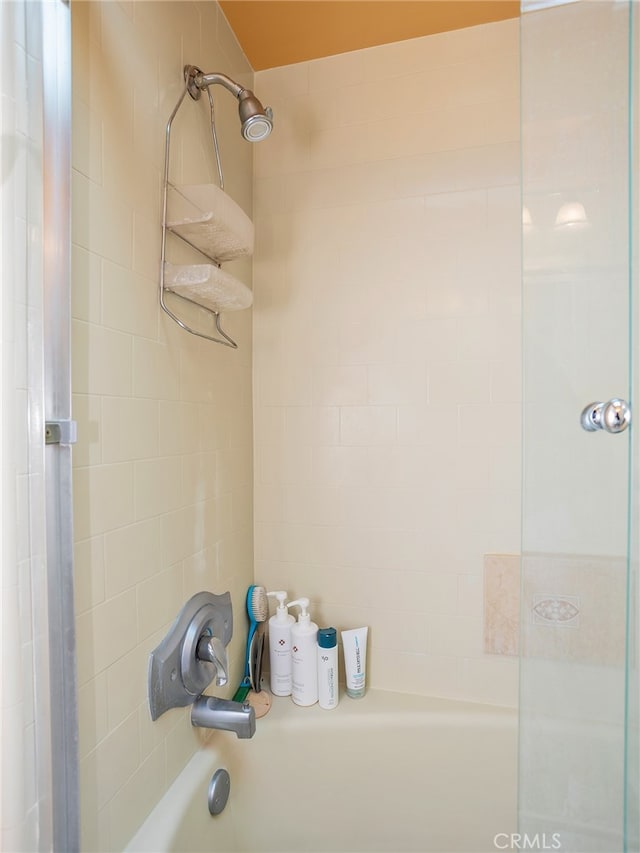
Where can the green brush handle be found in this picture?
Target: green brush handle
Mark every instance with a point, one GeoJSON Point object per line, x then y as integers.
{"type": "Point", "coordinates": [241, 693]}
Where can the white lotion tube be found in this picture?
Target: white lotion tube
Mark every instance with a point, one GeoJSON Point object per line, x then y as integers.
{"type": "Point", "coordinates": [354, 645]}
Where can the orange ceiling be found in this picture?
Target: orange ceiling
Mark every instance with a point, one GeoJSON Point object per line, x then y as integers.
{"type": "Point", "coordinates": [280, 32]}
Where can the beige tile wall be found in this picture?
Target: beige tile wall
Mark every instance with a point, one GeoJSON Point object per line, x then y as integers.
{"type": "Point", "coordinates": [163, 466]}
{"type": "Point", "coordinates": [386, 351]}
{"type": "Point", "coordinates": [387, 348]}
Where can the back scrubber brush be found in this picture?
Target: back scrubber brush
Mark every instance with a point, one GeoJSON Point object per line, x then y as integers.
{"type": "Point", "coordinates": [258, 612]}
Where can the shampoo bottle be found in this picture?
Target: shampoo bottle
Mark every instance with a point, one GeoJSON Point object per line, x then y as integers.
{"type": "Point", "coordinates": [304, 657]}
{"type": "Point", "coordinates": [327, 668]}
{"type": "Point", "coordinates": [280, 646]}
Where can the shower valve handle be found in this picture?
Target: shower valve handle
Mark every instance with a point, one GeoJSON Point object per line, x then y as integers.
{"type": "Point", "coordinates": [613, 416]}
{"type": "Point", "coordinates": [212, 649]}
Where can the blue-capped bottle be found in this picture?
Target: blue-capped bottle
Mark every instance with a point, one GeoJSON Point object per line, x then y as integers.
{"type": "Point", "coordinates": [327, 668]}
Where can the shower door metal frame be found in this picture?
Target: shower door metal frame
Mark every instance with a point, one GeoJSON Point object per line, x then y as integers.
{"type": "Point", "coordinates": [59, 429]}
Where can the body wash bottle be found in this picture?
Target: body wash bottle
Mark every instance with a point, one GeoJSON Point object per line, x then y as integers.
{"type": "Point", "coordinates": [280, 646]}
{"type": "Point", "coordinates": [304, 657]}
{"type": "Point", "coordinates": [327, 668]}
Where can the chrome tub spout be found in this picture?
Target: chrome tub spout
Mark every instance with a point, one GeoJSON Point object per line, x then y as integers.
{"type": "Point", "coordinates": [209, 712]}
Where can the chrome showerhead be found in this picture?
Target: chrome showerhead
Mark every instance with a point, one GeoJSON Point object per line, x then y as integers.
{"type": "Point", "coordinates": [257, 122]}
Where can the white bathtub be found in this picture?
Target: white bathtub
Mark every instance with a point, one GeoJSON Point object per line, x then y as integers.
{"type": "Point", "coordinates": [389, 772]}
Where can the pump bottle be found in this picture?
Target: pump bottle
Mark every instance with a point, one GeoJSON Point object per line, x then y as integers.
{"type": "Point", "coordinates": [280, 646]}
{"type": "Point", "coordinates": [304, 656]}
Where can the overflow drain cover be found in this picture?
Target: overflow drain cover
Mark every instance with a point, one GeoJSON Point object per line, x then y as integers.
{"type": "Point", "coordinates": [219, 788]}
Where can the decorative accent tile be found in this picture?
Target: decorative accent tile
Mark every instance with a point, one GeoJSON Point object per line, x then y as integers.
{"type": "Point", "coordinates": [595, 610]}
{"type": "Point", "coordinates": [501, 603]}
{"type": "Point", "coordinates": [563, 611]}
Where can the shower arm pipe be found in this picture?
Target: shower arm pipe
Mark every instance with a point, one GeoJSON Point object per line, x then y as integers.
{"type": "Point", "coordinates": [225, 340]}
{"type": "Point", "coordinates": [200, 81]}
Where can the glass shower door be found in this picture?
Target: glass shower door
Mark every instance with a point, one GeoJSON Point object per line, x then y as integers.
{"type": "Point", "coordinates": [577, 268]}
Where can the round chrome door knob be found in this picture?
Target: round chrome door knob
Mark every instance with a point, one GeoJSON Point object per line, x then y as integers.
{"type": "Point", "coordinates": [591, 417]}
{"type": "Point", "coordinates": [614, 416]}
